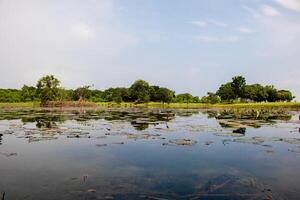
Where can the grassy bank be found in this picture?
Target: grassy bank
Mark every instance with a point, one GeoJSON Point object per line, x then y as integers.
{"type": "Point", "coordinates": [295, 105]}
{"type": "Point", "coordinates": [290, 105]}
{"type": "Point", "coordinates": [20, 105]}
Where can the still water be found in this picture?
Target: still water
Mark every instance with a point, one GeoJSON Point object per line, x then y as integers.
{"type": "Point", "coordinates": [149, 154]}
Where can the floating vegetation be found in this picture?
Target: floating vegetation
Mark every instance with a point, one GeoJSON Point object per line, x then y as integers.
{"type": "Point", "coordinates": [240, 131]}
{"type": "Point", "coordinates": [126, 151]}
{"type": "Point", "coordinates": [8, 154]}
{"type": "Point", "coordinates": [7, 132]}
{"type": "Point", "coordinates": [260, 140]}
{"type": "Point", "coordinates": [183, 142]}
{"type": "Point", "coordinates": [138, 136]}
{"type": "Point", "coordinates": [208, 142]}
{"type": "Point", "coordinates": [101, 145]}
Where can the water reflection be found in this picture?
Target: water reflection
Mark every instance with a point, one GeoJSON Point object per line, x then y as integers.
{"type": "Point", "coordinates": [149, 154]}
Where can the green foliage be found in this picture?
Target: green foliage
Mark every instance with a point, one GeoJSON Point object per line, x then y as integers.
{"type": "Point", "coordinates": [238, 85]}
{"type": "Point", "coordinates": [96, 96]}
{"type": "Point", "coordinates": [256, 93]}
{"type": "Point", "coordinates": [184, 98]}
{"type": "Point", "coordinates": [48, 88]}
{"type": "Point", "coordinates": [28, 93]}
{"type": "Point", "coordinates": [226, 92]}
{"type": "Point", "coordinates": [116, 94]}
{"type": "Point", "coordinates": [211, 98]}
{"type": "Point", "coordinates": [237, 90]}
{"type": "Point", "coordinates": [165, 95]}
{"type": "Point", "coordinates": [10, 95]}
{"type": "Point", "coordinates": [153, 92]}
{"type": "Point", "coordinates": [81, 93]}
{"type": "Point", "coordinates": [284, 95]}
{"type": "Point", "coordinates": [140, 91]}
{"type": "Point", "coordinates": [272, 93]}
{"type": "Point", "coordinates": [64, 94]}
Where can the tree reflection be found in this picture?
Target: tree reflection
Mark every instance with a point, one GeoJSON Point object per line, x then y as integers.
{"type": "Point", "coordinates": [46, 121]}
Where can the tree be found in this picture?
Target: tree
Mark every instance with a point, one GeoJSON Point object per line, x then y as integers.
{"type": "Point", "coordinates": [153, 92]}
{"type": "Point", "coordinates": [139, 91]}
{"type": "Point", "coordinates": [226, 92]}
{"type": "Point", "coordinates": [211, 98]}
{"type": "Point", "coordinates": [238, 85]}
{"type": "Point", "coordinates": [28, 93]}
{"type": "Point", "coordinates": [48, 88]}
{"type": "Point", "coordinates": [83, 93]}
{"type": "Point", "coordinates": [165, 95]}
{"type": "Point", "coordinates": [196, 99]}
{"type": "Point", "coordinates": [272, 93]}
{"type": "Point", "coordinates": [184, 98]}
{"type": "Point", "coordinates": [96, 96]}
{"type": "Point", "coordinates": [117, 97]}
{"type": "Point", "coordinates": [255, 92]}
{"type": "Point", "coordinates": [284, 95]}
{"type": "Point", "coordinates": [10, 95]}
{"type": "Point", "coordinates": [124, 93]}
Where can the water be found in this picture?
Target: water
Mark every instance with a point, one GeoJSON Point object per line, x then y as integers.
{"type": "Point", "coordinates": [148, 154]}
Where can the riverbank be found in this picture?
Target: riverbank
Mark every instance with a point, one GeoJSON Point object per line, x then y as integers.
{"type": "Point", "coordinates": [288, 105]}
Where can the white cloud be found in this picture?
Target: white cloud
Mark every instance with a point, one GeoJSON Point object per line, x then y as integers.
{"type": "Point", "coordinates": [215, 39]}
{"type": "Point", "coordinates": [269, 11]}
{"type": "Point", "coordinates": [283, 37]}
{"type": "Point", "coordinates": [83, 31]}
{"type": "Point", "coordinates": [207, 39]}
{"type": "Point", "coordinates": [279, 47]}
{"type": "Point", "coordinates": [80, 42]}
{"type": "Point", "coordinates": [218, 23]}
{"type": "Point", "coordinates": [206, 23]}
{"type": "Point", "coordinates": [290, 4]}
{"type": "Point", "coordinates": [244, 29]}
{"type": "Point", "coordinates": [199, 23]}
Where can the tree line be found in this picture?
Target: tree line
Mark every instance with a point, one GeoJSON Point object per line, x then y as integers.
{"type": "Point", "coordinates": [48, 88]}
{"type": "Point", "coordinates": [238, 90]}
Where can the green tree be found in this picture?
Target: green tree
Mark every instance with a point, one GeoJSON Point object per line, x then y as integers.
{"type": "Point", "coordinates": [165, 95]}
{"type": "Point", "coordinates": [81, 93]}
{"type": "Point", "coordinates": [124, 93]}
{"type": "Point", "coordinates": [255, 92]}
{"type": "Point", "coordinates": [196, 99]}
{"type": "Point", "coordinates": [117, 96]}
{"type": "Point", "coordinates": [284, 95]}
{"type": "Point", "coordinates": [238, 85]}
{"type": "Point", "coordinates": [10, 95]}
{"type": "Point", "coordinates": [96, 96]}
{"type": "Point", "coordinates": [184, 98]}
{"type": "Point", "coordinates": [140, 91]}
{"type": "Point", "coordinates": [226, 92]}
{"type": "Point", "coordinates": [153, 92]}
{"type": "Point", "coordinates": [48, 88]}
{"type": "Point", "coordinates": [28, 93]}
{"type": "Point", "coordinates": [211, 98]}
{"type": "Point", "coordinates": [272, 93]}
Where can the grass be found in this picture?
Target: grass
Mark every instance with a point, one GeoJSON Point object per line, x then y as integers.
{"type": "Point", "coordinates": [20, 105]}
{"type": "Point", "coordinates": [293, 105]}
{"type": "Point", "coordinates": [290, 105]}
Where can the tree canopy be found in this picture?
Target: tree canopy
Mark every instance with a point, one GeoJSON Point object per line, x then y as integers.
{"type": "Point", "coordinates": [48, 89]}
{"type": "Point", "coordinates": [239, 90]}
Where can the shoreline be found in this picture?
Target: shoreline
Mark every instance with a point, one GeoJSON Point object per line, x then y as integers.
{"type": "Point", "coordinates": [275, 105]}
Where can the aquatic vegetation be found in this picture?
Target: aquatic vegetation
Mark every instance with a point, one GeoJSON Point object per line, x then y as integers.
{"type": "Point", "coordinates": [183, 142]}
{"type": "Point", "coordinates": [240, 131]}
{"type": "Point", "coordinates": [155, 146]}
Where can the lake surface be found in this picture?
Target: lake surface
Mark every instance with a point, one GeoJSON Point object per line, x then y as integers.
{"type": "Point", "coordinates": [149, 154]}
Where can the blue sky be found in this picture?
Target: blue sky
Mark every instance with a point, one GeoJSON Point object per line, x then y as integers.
{"type": "Point", "coordinates": [189, 46]}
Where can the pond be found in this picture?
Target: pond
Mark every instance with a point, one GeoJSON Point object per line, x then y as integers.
{"type": "Point", "coordinates": [89, 154]}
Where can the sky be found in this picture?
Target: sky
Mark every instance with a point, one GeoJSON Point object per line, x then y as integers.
{"type": "Point", "coordinates": [189, 46]}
